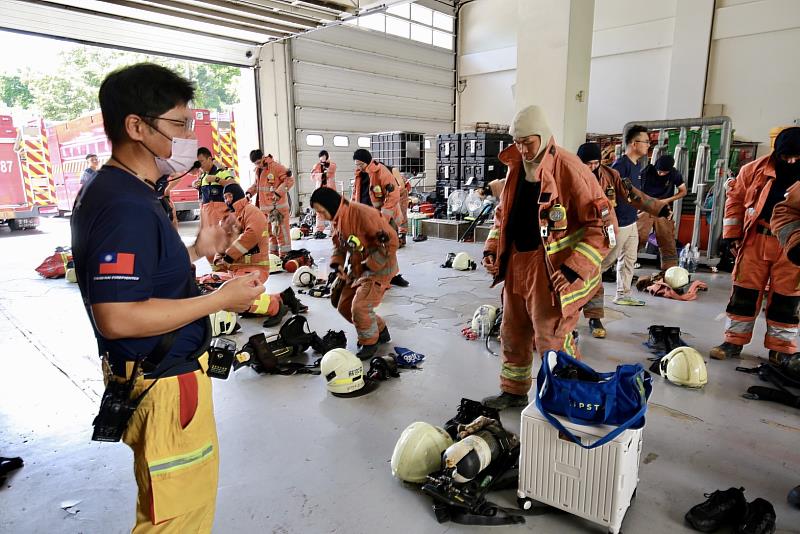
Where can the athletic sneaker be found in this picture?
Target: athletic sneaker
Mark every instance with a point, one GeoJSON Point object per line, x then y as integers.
{"type": "Point", "coordinates": [727, 507]}
{"type": "Point", "coordinates": [628, 301]}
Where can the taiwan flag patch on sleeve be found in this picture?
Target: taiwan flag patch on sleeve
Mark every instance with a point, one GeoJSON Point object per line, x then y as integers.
{"type": "Point", "coordinates": [116, 263]}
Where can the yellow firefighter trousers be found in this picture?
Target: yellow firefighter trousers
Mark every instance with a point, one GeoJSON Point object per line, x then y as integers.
{"type": "Point", "coordinates": [176, 468]}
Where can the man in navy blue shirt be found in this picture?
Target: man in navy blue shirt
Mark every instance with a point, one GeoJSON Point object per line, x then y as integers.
{"type": "Point", "coordinates": [137, 283]}
{"type": "Point", "coordinates": [660, 181]}
{"type": "Point", "coordinates": [637, 142]}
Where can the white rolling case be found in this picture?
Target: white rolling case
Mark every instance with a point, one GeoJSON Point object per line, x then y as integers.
{"type": "Point", "coordinates": [596, 484]}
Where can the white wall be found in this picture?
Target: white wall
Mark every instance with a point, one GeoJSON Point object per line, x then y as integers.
{"type": "Point", "coordinates": [631, 55]}
{"type": "Point", "coordinates": [641, 49]}
{"type": "Point", "coordinates": [753, 69]}
{"type": "Point", "coordinates": [487, 62]}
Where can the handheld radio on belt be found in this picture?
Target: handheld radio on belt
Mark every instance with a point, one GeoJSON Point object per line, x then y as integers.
{"type": "Point", "coordinates": [117, 404]}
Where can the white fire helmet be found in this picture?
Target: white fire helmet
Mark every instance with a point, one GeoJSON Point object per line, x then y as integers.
{"type": "Point", "coordinates": [304, 277]}
{"type": "Point", "coordinates": [275, 264]}
{"type": "Point", "coordinates": [343, 372]}
{"type": "Point", "coordinates": [462, 262]}
{"type": "Point", "coordinates": [295, 233]}
{"type": "Point", "coordinates": [222, 322]}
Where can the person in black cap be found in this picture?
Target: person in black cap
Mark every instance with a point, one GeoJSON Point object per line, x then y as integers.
{"type": "Point", "coordinates": [761, 260]}
{"type": "Point", "coordinates": [366, 241]}
{"type": "Point", "coordinates": [660, 181]}
{"type": "Point", "coordinates": [376, 186]}
{"type": "Point", "coordinates": [324, 175]}
{"type": "Point", "coordinates": [623, 197]}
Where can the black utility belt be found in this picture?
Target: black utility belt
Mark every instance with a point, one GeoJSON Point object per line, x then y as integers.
{"type": "Point", "coordinates": [119, 367]}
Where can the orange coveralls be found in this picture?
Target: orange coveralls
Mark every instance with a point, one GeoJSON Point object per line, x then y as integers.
{"type": "Point", "coordinates": [761, 262]}
{"type": "Point", "coordinates": [612, 185]}
{"type": "Point", "coordinates": [535, 315]}
{"type": "Point", "coordinates": [249, 253]}
{"type": "Point", "coordinates": [786, 223]}
{"type": "Point", "coordinates": [329, 181]}
{"type": "Point", "coordinates": [371, 268]}
{"type": "Point", "coordinates": [384, 191]}
{"type": "Point", "coordinates": [272, 188]}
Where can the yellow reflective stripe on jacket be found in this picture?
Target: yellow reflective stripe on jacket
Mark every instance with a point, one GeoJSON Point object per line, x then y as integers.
{"type": "Point", "coordinates": [569, 241]}
{"type": "Point", "coordinates": [569, 344]}
{"type": "Point", "coordinates": [590, 252]}
{"type": "Point", "coordinates": [588, 286]}
{"type": "Point", "coordinates": [182, 461]}
{"type": "Point", "coordinates": [494, 233]}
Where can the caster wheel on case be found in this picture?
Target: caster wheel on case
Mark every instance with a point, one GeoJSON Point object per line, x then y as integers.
{"type": "Point", "coordinates": [524, 503]}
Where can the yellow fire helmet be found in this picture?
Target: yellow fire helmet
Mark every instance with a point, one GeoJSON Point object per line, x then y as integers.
{"type": "Point", "coordinates": [684, 366]}
{"type": "Point", "coordinates": [676, 277]}
{"type": "Point", "coordinates": [418, 452]}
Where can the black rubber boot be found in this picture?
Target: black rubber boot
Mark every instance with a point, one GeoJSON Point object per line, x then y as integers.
{"type": "Point", "coordinates": [722, 508]}
{"type": "Point", "coordinates": [760, 518]}
{"type": "Point", "coordinates": [597, 329]}
{"type": "Point", "coordinates": [672, 338]}
{"type": "Point", "coordinates": [725, 351]}
{"type": "Point", "coordinates": [288, 297]}
{"type": "Point", "coordinates": [366, 352]}
{"type": "Point", "coordinates": [781, 358]}
{"type": "Point", "coordinates": [384, 336]}
{"type": "Point", "coordinates": [657, 337]}
{"type": "Point", "coordinates": [505, 400]}
{"type": "Point", "coordinates": [399, 281]}
{"type": "Point", "coordinates": [276, 319]}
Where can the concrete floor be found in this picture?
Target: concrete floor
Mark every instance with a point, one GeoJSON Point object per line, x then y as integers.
{"type": "Point", "coordinates": [294, 459]}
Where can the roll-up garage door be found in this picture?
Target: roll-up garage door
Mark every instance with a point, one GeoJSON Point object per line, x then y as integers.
{"type": "Point", "coordinates": [349, 83]}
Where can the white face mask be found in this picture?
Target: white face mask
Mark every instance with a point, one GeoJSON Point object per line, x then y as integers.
{"type": "Point", "coordinates": [184, 154]}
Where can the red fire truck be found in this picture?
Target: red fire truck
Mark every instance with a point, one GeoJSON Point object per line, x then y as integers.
{"type": "Point", "coordinates": [26, 189]}
{"type": "Point", "coordinates": [41, 167]}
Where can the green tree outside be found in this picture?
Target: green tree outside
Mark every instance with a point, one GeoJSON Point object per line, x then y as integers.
{"type": "Point", "coordinates": [72, 90]}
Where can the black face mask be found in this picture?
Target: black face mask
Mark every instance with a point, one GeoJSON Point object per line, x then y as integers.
{"type": "Point", "coordinates": [786, 170]}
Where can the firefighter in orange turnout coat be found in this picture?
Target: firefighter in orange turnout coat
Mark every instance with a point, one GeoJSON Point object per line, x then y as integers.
{"type": "Point", "coordinates": [761, 261]}
{"type": "Point", "coordinates": [362, 237]}
{"type": "Point", "coordinates": [272, 185]}
{"type": "Point", "coordinates": [248, 254]}
{"type": "Point", "coordinates": [548, 242]}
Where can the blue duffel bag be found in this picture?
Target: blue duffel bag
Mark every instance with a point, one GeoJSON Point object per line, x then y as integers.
{"type": "Point", "coordinates": [568, 387]}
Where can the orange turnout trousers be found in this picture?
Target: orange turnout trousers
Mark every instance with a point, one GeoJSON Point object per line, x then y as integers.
{"type": "Point", "coordinates": [357, 305]}
{"type": "Point", "coordinates": [173, 436]}
{"type": "Point", "coordinates": [530, 320]}
{"type": "Point", "coordinates": [762, 263]}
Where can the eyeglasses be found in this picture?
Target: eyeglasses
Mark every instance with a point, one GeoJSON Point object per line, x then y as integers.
{"type": "Point", "coordinates": [643, 142]}
{"type": "Point", "coordinates": [188, 124]}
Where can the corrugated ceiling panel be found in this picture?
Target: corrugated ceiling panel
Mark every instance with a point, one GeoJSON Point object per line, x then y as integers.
{"type": "Point", "coordinates": [57, 22]}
